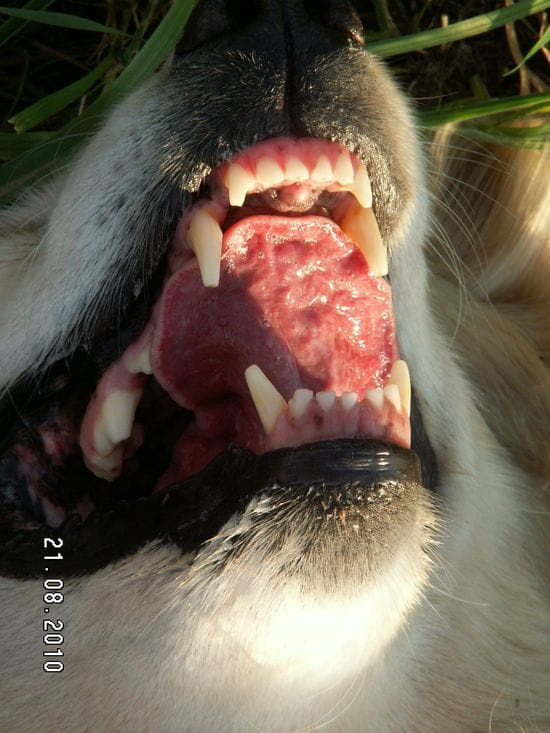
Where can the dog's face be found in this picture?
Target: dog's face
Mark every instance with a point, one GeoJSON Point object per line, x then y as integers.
{"type": "Point", "coordinates": [220, 442]}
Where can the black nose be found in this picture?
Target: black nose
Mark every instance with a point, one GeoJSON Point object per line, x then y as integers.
{"type": "Point", "coordinates": [312, 22]}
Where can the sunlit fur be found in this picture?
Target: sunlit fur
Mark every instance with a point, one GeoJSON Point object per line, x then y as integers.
{"type": "Point", "coordinates": [152, 644]}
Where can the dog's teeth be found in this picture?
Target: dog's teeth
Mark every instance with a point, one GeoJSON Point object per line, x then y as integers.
{"type": "Point", "coordinates": [349, 400]}
{"type": "Point", "coordinates": [268, 401]}
{"type": "Point", "coordinates": [343, 170]}
{"type": "Point", "coordinates": [205, 239]}
{"type": "Point", "coordinates": [375, 397]}
{"type": "Point", "coordinates": [117, 416]}
{"type": "Point", "coordinates": [239, 182]}
{"type": "Point", "coordinates": [391, 394]}
{"type": "Point", "coordinates": [141, 363]}
{"type": "Point", "coordinates": [269, 173]}
{"type": "Point", "coordinates": [299, 402]}
{"type": "Point", "coordinates": [361, 187]}
{"type": "Point", "coordinates": [400, 377]}
{"type": "Point", "coordinates": [326, 400]}
{"type": "Point", "coordinates": [322, 173]}
{"type": "Point", "coordinates": [295, 170]}
{"type": "Point", "coordinates": [361, 227]}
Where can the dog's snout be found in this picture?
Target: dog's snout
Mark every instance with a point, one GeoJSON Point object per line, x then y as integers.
{"type": "Point", "coordinates": [298, 19]}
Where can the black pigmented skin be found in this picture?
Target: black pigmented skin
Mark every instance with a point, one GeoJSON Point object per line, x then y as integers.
{"type": "Point", "coordinates": [341, 472]}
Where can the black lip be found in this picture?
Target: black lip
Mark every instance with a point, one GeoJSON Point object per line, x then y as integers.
{"type": "Point", "coordinates": [193, 511]}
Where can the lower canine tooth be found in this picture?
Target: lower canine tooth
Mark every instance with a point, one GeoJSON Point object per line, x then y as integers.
{"type": "Point", "coordinates": [117, 414]}
{"type": "Point", "coordinates": [299, 402]}
{"type": "Point", "coordinates": [268, 401]}
{"type": "Point", "coordinates": [400, 376]}
{"type": "Point", "coordinates": [205, 239]}
{"type": "Point", "coordinates": [361, 227]}
{"type": "Point", "coordinates": [391, 393]}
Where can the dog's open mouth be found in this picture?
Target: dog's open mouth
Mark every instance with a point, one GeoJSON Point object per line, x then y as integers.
{"type": "Point", "coordinates": [273, 329]}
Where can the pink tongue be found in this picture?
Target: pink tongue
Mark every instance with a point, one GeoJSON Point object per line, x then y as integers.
{"type": "Point", "coordinates": [295, 297]}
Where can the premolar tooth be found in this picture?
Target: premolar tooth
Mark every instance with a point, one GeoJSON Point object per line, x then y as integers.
{"type": "Point", "coordinates": [299, 402]}
{"type": "Point", "coordinates": [361, 227]}
{"type": "Point", "coordinates": [117, 414]}
{"type": "Point", "coordinates": [391, 393]}
{"type": "Point", "coordinates": [295, 170]}
{"type": "Point", "coordinates": [400, 376]}
{"type": "Point", "coordinates": [239, 182]}
{"type": "Point", "coordinates": [343, 170]}
{"type": "Point", "coordinates": [205, 239]}
{"type": "Point", "coordinates": [375, 397]}
{"type": "Point", "coordinates": [268, 401]}
{"type": "Point", "coordinates": [326, 400]}
{"type": "Point", "coordinates": [361, 187]}
{"type": "Point", "coordinates": [349, 400]}
{"type": "Point", "coordinates": [269, 173]}
{"type": "Point", "coordinates": [322, 173]}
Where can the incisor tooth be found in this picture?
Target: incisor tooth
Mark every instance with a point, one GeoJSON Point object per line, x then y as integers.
{"type": "Point", "coordinates": [361, 227]}
{"type": "Point", "coordinates": [349, 400]}
{"type": "Point", "coordinates": [391, 393]}
{"type": "Point", "coordinates": [343, 170]}
{"type": "Point", "coordinates": [400, 376]}
{"type": "Point", "coordinates": [361, 187]}
{"type": "Point", "coordinates": [205, 239]}
{"type": "Point", "coordinates": [268, 401]}
{"type": "Point", "coordinates": [375, 397]}
{"type": "Point", "coordinates": [295, 170]}
{"type": "Point", "coordinates": [239, 182]}
{"type": "Point", "coordinates": [299, 402]}
{"type": "Point", "coordinates": [326, 400]}
{"type": "Point", "coordinates": [269, 173]}
{"type": "Point", "coordinates": [322, 173]}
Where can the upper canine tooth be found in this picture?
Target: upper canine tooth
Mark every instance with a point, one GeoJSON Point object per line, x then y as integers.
{"type": "Point", "coordinates": [299, 402]}
{"type": "Point", "coordinates": [361, 227]}
{"type": "Point", "coordinates": [268, 401]}
{"type": "Point", "coordinates": [295, 170]}
{"type": "Point", "coordinates": [400, 376]}
{"type": "Point", "coordinates": [361, 187]}
{"type": "Point", "coordinates": [322, 173]}
{"type": "Point", "coordinates": [205, 239]}
{"type": "Point", "coordinates": [343, 170]}
{"type": "Point", "coordinates": [391, 393]}
{"type": "Point", "coordinates": [269, 173]}
{"type": "Point", "coordinates": [239, 182]}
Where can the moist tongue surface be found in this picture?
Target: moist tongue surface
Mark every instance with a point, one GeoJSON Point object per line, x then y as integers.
{"type": "Point", "coordinates": [296, 298]}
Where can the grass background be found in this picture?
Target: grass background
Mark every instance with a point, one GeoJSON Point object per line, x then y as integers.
{"type": "Point", "coordinates": [479, 64]}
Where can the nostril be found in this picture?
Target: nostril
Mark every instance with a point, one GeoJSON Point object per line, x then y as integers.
{"type": "Point", "coordinates": [339, 15]}
{"type": "Point", "coordinates": [213, 18]}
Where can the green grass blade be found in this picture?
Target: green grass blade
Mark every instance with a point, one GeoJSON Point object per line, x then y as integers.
{"type": "Point", "coordinates": [543, 41]}
{"type": "Point", "coordinates": [481, 108]}
{"type": "Point", "coordinates": [456, 31]}
{"type": "Point", "coordinates": [154, 52]}
{"type": "Point", "coordinates": [60, 20]}
{"type": "Point", "coordinates": [12, 26]}
{"type": "Point", "coordinates": [62, 144]}
{"type": "Point", "coordinates": [535, 138]}
{"type": "Point", "coordinates": [12, 146]}
{"type": "Point", "coordinates": [52, 104]}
